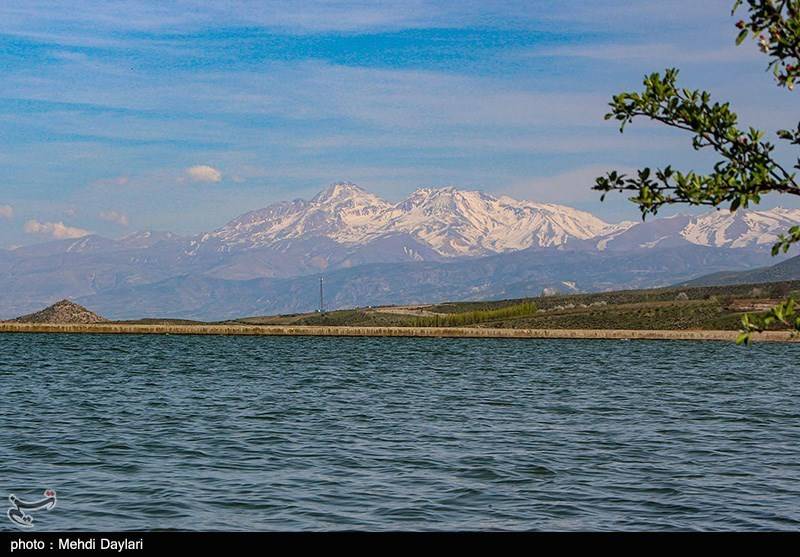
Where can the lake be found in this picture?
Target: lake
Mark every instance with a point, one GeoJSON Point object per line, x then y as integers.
{"type": "Point", "coordinates": [304, 433]}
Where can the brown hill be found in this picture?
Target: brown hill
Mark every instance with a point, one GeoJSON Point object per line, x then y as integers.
{"type": "Point", "coordinates": [62, 312]}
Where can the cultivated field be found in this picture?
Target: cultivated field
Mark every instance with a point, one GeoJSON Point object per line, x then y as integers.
{"type": "Point", "coordinates": [697, 308]}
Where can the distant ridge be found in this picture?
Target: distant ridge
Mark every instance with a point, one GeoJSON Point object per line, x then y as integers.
{"type": "Point", "coordinates": [783, 271]}
{"type": "Point", "coordinates": [64, 311]}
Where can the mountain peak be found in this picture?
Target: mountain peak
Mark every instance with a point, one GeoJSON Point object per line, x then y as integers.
{"type": "Point", "coordinates": [444, 191]}
{"type": "Point", "coordinates": [445, 198]}
{"type": "Point", "coordinates": [149, 234]}
{"type": "Point", "coordinates": [741, 228]}
{"type": "Point", "coordinates": [340, 191]}
{"type": "Point", "coordinates": [451, 221]}
{"type": "Point", "coordinates": [147, 238]}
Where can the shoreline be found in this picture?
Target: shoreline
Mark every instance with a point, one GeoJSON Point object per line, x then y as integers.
{"type": "Point", "coordinates": [419, 332]}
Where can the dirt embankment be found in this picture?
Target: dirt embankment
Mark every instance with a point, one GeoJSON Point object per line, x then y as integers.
{"type": "Point", "coordinates": [437, 332]}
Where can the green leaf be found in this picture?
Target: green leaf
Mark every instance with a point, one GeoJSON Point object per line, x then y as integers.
{"type": "Point", "coordinates": [747, 168]}
{"type": "Point", "coordinates": [742, 36]}
{"type": "Point", "coordinates": [743, 338]}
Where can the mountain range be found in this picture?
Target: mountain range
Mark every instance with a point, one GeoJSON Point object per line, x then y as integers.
{"type": "Point", "coordinates": [437, 244]}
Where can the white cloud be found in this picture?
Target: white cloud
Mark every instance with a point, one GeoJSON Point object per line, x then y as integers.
{"type": "Point", "coordinates": [57, 230]}
{"type": "Point", "coordinates": [114, 216]}
{"type": "Point", "coordinates": [6, 212]}
{"type": "Point", "coordinates": [204, 173]}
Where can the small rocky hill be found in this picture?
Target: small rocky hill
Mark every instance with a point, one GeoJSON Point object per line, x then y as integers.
{"type": "Point", "coordinates": [62, 312]}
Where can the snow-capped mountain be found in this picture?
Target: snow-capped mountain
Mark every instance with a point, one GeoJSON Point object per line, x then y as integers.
{"type": "Point", "coordinates": [438, 244]}
{"type": "Point", "coordinates": [344, 213]}
{"type": "Point", "coordinates": [457, 223]}
{"type": "Point", "coordinates": [147, 239]}
{"type": "Point", "coordinates": [742, 228]}
{"type": "Point", "coordinates": [346, 225]}
{"type": "Point", "coordinates": [723, 229]}
{"type": "Point", "coordinates": [451, 222]}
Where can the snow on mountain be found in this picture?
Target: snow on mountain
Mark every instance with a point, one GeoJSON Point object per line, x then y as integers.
{"type": "Point", "coordinates": [663, 232]}
{"type": "Point", "coordinates": [452, 222]}
{"type": "Point", "coordinates": [742, 228]}
{"type": "Point", "coordinates": [457, 223]}
{"type": "Point", "coordinates": [91, 243]}
{"type": "Point", "coordinates": [359, 227]}
{"type": "Point", "coordinates": [147, 238]}
{"type": "Point", "coordinates": [384, 253]}
{"type": "Point", "coordinates": [344, 212]}
{"type": "Point", "coordinates": [613, 231]}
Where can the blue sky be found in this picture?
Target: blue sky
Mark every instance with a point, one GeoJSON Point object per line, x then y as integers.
{"type": "Point", "coordinates": [123, 116]}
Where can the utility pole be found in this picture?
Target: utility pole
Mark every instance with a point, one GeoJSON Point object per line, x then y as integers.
{"type": "Point", "coordinates": [321, 299]}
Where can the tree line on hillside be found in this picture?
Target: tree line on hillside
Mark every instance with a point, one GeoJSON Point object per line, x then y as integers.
{"type": "Point", "coordinates": [465, 318]}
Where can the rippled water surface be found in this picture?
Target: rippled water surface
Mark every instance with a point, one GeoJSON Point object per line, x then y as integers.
{"type": "Point", "coordinates": [242, 433]}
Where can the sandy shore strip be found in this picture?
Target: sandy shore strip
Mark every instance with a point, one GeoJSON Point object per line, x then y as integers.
{"type": "Point", "coordinates": [436, 332]}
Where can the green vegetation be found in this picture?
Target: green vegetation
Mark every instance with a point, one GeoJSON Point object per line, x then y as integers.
{"type": "Point", "coordinates": [677, 315]}
{"type": "Point", "coordinates": [360, 317]}
{"type": "Point", "coordinates": [675, 308]}
{"type": "Point", "coordinates": [748, 168]}
{"type": "Point", "coordinates": [464, 318]}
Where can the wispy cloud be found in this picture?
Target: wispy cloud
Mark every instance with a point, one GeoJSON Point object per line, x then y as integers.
{"type": "Point", "coordinates": [310, 16]}
{"type": "Point", "coordinates": [654, 54]}
{"type": "Point", "coordinates": [57, 230]}
{"type": "Point", "coordinates": [6, 212]}
{"type": "Point", "coordinates": [110, 105]}
{"type": "Point", "coordinates": [115, 216]}
{"type": "Point", "coordinates": [115, 181]}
